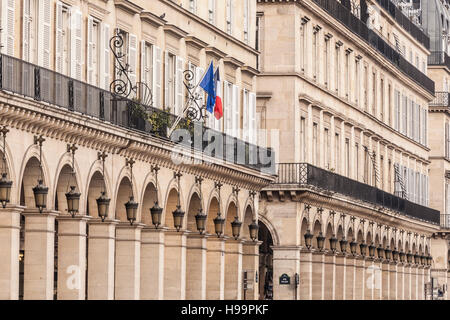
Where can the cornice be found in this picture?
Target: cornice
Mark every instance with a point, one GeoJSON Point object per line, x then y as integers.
{"type": "Point", "coordinates": [60, 124]}
{"type": "Point", "coordinates": [128, 6]}
{"type": "Point", "coordinates": [229, 60]}
{"type": "Point", "coordinates": [195, 42]}
{"type": "Point", "coordinates": [250, 71]}
{"type": "Point", "coordinates": [147, 16]}
{"type": "Point", "coordinates": [175, 31]}
{"type": "Point", "coordinates": [213, 51]}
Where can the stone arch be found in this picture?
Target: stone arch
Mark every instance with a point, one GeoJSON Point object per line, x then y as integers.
{"type": "Point", "coordinates": [95, 187]}
{"type": "Point", "coordinates": [350, 235]}
{"type": "Point", "coordinates": [392, 244]}
{"type": "Point", "coordinates": [124, 180]}
{"type": "Point", "coordinates": [340, 233]}
{"type": "Point", "coordinates": [359, 240]}
{"type": "Point", "coordinates": [7, 165]}
{"type": "Point", "coordinates": [384, 243]}
{"type": "Point", "coordinates": [29, 174]}
{"type": "Point", "coordinates": [303, 228]}
{"type": "Point", "coordinates": [64, 180]}
{"type": "Point", "coordinates": [249, 216]}
{"type": "Point", "coordinates": [328, 235]}
{"type": "Point", "coordinates": [399, 245]}
{"type": "Point", "coordinates": [213, 195]}
{"type": "Point", "coordinates": [123, 194]}
{"type": "Point", "coordinates": [212, 212]}
{"type": "Point", "coordinates": [233, 199]}
{"type": "Point", "coordinates": [230, 216]}
{"type": "Point", "coordinates": [420, 249]}
{"type": "Point", "coordinates": [265, 270]}
{"type": "Point", "coordinates": [317, 230]}
{"type": "Point", "coordinates": [331, 220]}
{"type": "Point", "coordinates": [194, 205]}
{"type": "Point", "coordinates": [407, 248]}
{"type": "Point", "coordinates": [170, 203]}
{"type": "Point", "coordinates": [369, 238]}
{"type": "Point", "coordinates": [273, 231]}
{"type": "Point", "coordinates": [377, 241]}
{"type": "Point", "coordinates": [414, 251]}
{"type": "Point", "coordinates": [148, 200]}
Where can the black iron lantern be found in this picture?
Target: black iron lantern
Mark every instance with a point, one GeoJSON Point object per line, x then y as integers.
{"type": "Point", "coordinates": [200, 220]}
{"type": "Point", "coordinates": [253, 230]}
{"type": "Point", "coordinates": [5, 190]}
{"type": "Point", "coordinates": [353, 246]}
{"type": "Point", "coordinates": [156, 213]}
{"type": "Point", "coordinates": [402, 256]}
{"type": "Point", "coordinates": [219, 224]}
{"type": "Point", "coordinates": [380, 252]}
{"type": "Point", "coordinates": [178, 216]}
{"type": "Point", "coordinates": [395, 255]}
{"type": "Point", "coordinates": [131, 209]}
{"type": "Point", "coordinates": [363, 248]}
{"type": "Point", "coordinates": [236, 228]}
{"type": "Point", "coordinates": [320, 241]}
{"type": "Point", "coordinates": [388, 253]}
{"type": "Point", "coordinates": [73, 201]}
{"type": "Point", "coordinates": [333, 243]}
{"type": "Point", "coordinates": [308, 239]}
{"type": "Point", "coordinates": [372, 250]}
{"type": "Point", "coordinates": [416, 258]}
{"type": "Point", "coordinates": [343, 243]}
{"type": "Point", "coordinates": [103, 206]}
{"type": "Point", "coordinates": [40, 196]}
{"type": "Point", "coordinates": [409, 257]}
{"type": "Point", "coordinates": [422, 259]}
{"type": "Point", "coordinates": [429, 260]}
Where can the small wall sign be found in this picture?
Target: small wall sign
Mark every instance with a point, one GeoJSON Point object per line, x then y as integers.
{"type": "Point", "coordinates": [285, 279]}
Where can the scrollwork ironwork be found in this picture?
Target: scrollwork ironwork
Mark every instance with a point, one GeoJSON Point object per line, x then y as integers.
{"type": "Point", "coordinates": [195, 108]}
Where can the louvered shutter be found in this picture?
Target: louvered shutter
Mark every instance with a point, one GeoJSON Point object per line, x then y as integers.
{"type": "Point", "coordinates": [236, 118]}
{"type": "Point", "coordinates": [105, 65]}
{"type": "Point", "coordinates": [76, 43]}
{"type": "Point", "coordinates": [179, 97]}
{"type": "Point", "coordinates": [246, 116]}
{"type": "Point", "coordinates": [198, 76]}
{"type": "Point", "coordinates": [227, 107]}
{"type": "Point", "coordinates": [166, 80]}
{"type": "Point", "coordinates": [59, 37]}
{"type": "Point", "coordinates": [132, 59]}
{"type": "Point", "coordinates": [253, 128]}
{"type": "Point", "coordinates": [144, 68]}
{"type": "Point", "coordinates": [446, 139]}
{"type": "Point", "coordinates": [26, 21]}
{"type": "Point", "coordinates": [90, 50]}
{"type": "Point", "coordinates": [157, 76]}
{"type": "Point", "coordinates": [7, 24]}
{"type": "Point", "coordinates": [43, 33]}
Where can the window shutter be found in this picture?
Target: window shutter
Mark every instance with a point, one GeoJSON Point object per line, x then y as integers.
{"type": "Point", "coordinates": [179, 86]}
{"type": "Point", "coordinates": [253, 130]}
{"type": "Point", "coordinates": [59, 37]}
{"type": "Point", "coordinates": [7, 24]}
{"type": "Point", "coordinates": [43, 33]}
{"type": "Point", "coordinates": [76, 44]}
{"type": "Point", "coordinates": [105, 64]}
{"type": "Point", "coordinates": [198, 76]}
{"type": "Point", "coordinates": [144, 67]}
{"type": "Point", "coordinates": [236, 118]}
{"type": "Point", "coordinates": [132, 58]}
{"type": "Point", "coordinates": [26, 21]}
{"type": "Point", "coordinates": [157, 76]}
{"type": "Point", "coordinates": [227, 107]}
{"type": "Point", "coordinates": [90, 50]}
{"type": "Point", "coordinates": [246, 117]}
{"type": "Point", "coordinates": [166, 80]}
{"type": "Point", "coordinates": [446, 139]}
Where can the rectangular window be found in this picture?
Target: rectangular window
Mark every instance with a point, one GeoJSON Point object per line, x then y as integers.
{"type": "Point", "coordinates": [389, 188]}
{"type": "Point", "coordinates": [374, 93]}
{"type": "Point", "coordinates": [93, 52]}
{"type": "Point", "coordinates": [63, 40]}
{"type": "Point", "coordinates": [366, 83]}
{"type": "Point", "coordinates": [357, 80]}
{"type": "Point", "coordinates": [212, 11]}
{"type": "Point", "coordinates": [193, 6]}
{"type": "Point", "coordinates": [337, 155]}
{"type": "Point", "coordinates": [347, 157]}
{"type": "Point", "coordinates": [366, 165]}
{"type": "Point", "coordinates": [337, 65]}
{"type": "Point", "coordinates": [447, 140]}
{"type": "Point", "coordinates": [302, 139]}
{"type": "Point", "coordinates": [357, 160]}
{"type": "Point", "coordinates": [303, 45]}
{"type": "Point", "coordinates": [315, 145]}
{"type": "Point", "coordinates": [382, 99]}
{"type": "Point", "coordinates": [389, 105]}
{"type": "Point", "coordinates": [229, 17]}
{"type": "Point", "coordinates": [169, 76]}
{"type": "Point", "coordinates": [326, 50]}
{"type": "Point", "coordinates": [347, 75]}
{"type": "Point", "coordinates": [381, 172]}
{"type": "Point", "coordinates": [146, 65]}
{"type": "Point", "coordinates": [327, 148]}
{"type": "Point", "coordinates": [315, 54]}
{"type": "Point", "coordinates": [246, 20]}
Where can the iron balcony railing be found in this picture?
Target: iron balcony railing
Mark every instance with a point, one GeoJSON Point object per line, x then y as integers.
{"type": "Point", "coordinates": [445, 221]}
{"type": "Point", "coordinates": [439, 58]}
{"type": "Point", "coordinates": [405, 22]}
{"type": "Point", "coordinates": [343, 15]}
{"type": "Point", "coordinates": [442, 99]}
{"type": "Point", "coordinates": [45, 85]}
{"type": "Point", "coordinates": [303, 175]}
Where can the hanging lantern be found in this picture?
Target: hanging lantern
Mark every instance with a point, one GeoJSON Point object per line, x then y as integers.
{"type": "Point", "coordinates": [416, 258]}
{"type": "Point", "coordinates": [380, 252]}
{"type": "Point", "coordinates": [353, 245]}
{"type": "Point", "coordinates": [103, 206]}
{"type": "Point", "coordinates": [395, 255]}
{"type": "Point", "coordinates": [5, 190]}
{"type": "Point", "coordinates": [308, 239]}
{"type": "Point", "coordinates": [253, 230]}
{"type": "Point", "coordinates": [200, 220]}
{"type": "Point", "coordinates": [343, 243]}
{"type": "Point", "coordinates": [156, 213]}
{"type": "Point", "coordinates": [422, 259]}
{"type": "Point", "coordinates": [363, 248]}
{"type": "Point", "coordinates": [402, 256]}
{"type": "Point", "coordinates": [388, 253]}
{"type": "Point", "coordinates": [429, 260]}
{"type": "Point", "coordinates": [333, 243]}
{"type": "Point", "coordinates": [40, 195]}
{"type": "Point", "coordinates": [372, 250]}
{"type": "Point", "coordinates": [219, 224]}
{"type": "Point", "coordinates": [409, 257]}
{"type": "Point", "coordinates": [73, 201]}
{"type": "Point", "coordinates": [178, 216]}
{"type": "Point", "coordinates": [320, 241]}
{"type": "Point", "coordinates": [131, 209]}
{"type": "Point", "coordinates": [236, 228]}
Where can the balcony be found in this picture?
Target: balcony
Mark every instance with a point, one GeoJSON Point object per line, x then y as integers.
{"type": "Point", "coordinates": [442, 99]}
{"type": "Point", "coordinates": [445, 221]}
{"type": "Point", "coordinates": [353, 23]}
{"type": "Point", "coordinates": [306, 175]}
{"type": "Point", "coordinates": [439, 58]}
{"type": "Point", "coordinates": [405, 22]}
{"type": "Point", "coordinates": [23, 78]}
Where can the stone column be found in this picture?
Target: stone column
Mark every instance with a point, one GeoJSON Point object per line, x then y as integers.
{"type": "Point", "coordinates": [330, 276]}
{"type": "Point", "coordinates": [196, 266]}
{"type": "Point", "coordinates": [152, 263]}
{"type": "Point", "coordinates": [175, 265]}
{"type": "Point", "coordinates": [233, 269]}
{"type": "Point", "coordinates": [128, 261]}
{"type": "Point", "coordinates": [39, 254]}
{"type": "Point", "coordinates": [215, 268]}
{"type": "Point", "coordinates": [392, 281]}
{"type": "Point", "coordinates": [72, 242]}
{"type": "Point", "coordinates": [101, 257]}
{"type": "Point", "coordinates": [385, 280]}
{"type": "Point", "coordinates": [318, 266]}
{"type": "Point", "coordinates": [305, 288]}
{"type": "Point", "coordinates": [339, 282]}
{"type": "Point", "coordinates": [421, 283]}
{"type": "Point", "coordinates": [359, 278]}
{"type": "Point", "coordinates": [407, 282]}
{"type": "Point", "coordinates": [370, 279]}
{"type": "Point", "coordinates": [250, 263]}
{"type": "Point", "coordinates": [286, 261]}
{"type": "Point", "coordinates": [9, 252]}
{"type": "Point", "coordinates": [350, 278]}
{"type": "Point", "coordinates": [414, 282]}
{"type": "Point", "coordinates": [378, 279]}
{"type": "Point", "coordinates": [400, 281]}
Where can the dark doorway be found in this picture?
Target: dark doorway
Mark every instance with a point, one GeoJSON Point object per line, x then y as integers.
{"type": "Point", "coordinates": [265, 263]}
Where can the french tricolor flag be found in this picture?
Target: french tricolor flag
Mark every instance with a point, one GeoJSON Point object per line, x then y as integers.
{"type": "Point", "coordinates": [218, 110]}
